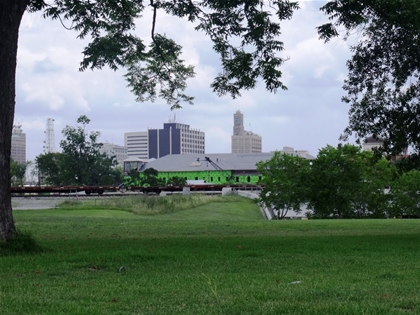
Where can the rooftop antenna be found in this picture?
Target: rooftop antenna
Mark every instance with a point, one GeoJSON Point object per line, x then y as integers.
{"type": "Point", "coordinates": [172, 120]}
{"type": "Point", "coordinates": [18, 126]}
{"type": "Point", "coordinates": [49, 143]}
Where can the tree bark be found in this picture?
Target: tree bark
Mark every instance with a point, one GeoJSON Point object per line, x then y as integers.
{"type": "Point", "coordinates": [11, 13]}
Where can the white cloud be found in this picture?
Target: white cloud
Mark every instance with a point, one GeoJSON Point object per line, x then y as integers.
{"type": "Point", "coordinates": [341, 77]}
{"type": "Point", "coordinates": [217, 140]}
{"type": "Point", "coordinates": [320, 71]}
{"type": "Point", "coordinates": [307, 116]}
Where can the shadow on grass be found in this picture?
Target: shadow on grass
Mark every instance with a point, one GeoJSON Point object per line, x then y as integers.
{"type": "Point", "coordinates": [22, 243]}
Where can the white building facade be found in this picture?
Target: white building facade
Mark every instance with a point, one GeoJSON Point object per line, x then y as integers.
{"type": "Point", "coordinates": [18, 153]}
{"type": "Point", "coordinates": [114, 150]}
{"type": "Point", "coordinates": [371, 143]}
{"type": "Point", "coordinates": [137, 144]}
{"type": "Point", "coordinates": [244, 141]}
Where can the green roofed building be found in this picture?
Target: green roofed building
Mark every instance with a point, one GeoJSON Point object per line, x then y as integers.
{"type": "Point", "coordinates": [215, 168]}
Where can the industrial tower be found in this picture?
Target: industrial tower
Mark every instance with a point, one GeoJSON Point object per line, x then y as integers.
{"type": "Point", "coordinates": [49, 143]}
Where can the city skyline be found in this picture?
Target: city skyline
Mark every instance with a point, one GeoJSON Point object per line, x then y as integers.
{"type": "Point", "coordinates": [309, 115]}
{"type": "Point", "coordinates": [107, 145]}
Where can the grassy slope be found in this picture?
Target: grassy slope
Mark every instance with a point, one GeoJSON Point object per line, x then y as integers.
{"type": "Point", "coordinates": [219, 258]}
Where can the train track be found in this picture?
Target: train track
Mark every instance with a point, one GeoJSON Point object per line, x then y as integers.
{"type": "Point", "coordinates": [121, 190]}
{"type": "Point", "coordinates": [72, 195]}
{"type": "Point", "coordinates": [105, 195]}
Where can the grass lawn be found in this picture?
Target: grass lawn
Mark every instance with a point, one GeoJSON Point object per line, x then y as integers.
{"type": "Point", "coordinates": [217, 258]}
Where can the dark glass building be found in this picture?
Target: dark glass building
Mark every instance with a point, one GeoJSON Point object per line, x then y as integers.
{"type": "Point", "coordinates": [175, 138]}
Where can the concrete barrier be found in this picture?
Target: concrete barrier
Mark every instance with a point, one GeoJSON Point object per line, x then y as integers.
{"type": "Point", "coordinates": [266, 212]}
{"type": "Point", "coordinates": [227, 191]}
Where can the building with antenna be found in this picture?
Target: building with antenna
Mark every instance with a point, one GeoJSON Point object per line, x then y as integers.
{"type": "Point", "coordinates": [49, 142]}
{"type": "Point", "coordinates": [244, 141]}
{"type": "Point", "coordinates": [173, 138]}
{"type": "Point", "coordinates": [18, 153]}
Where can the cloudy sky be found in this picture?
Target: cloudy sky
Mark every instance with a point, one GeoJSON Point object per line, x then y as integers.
{"type": "Point", "coordinates": [308, 116]}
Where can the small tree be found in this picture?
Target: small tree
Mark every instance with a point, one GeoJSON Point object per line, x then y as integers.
{"type": "Point", "coordinates": [335, 182]}
{"type": "Point", "coordinates": [378, 175]}
{"type": "Point", "coordinates": [177, 181]}
{"type": "Point", "coordinates": [406, 195]}
{"type": "Point", "coordinates": [113, 177]}
{"type": "Point", "coordinates": [84, 163]}
{"type": "Point", "coordinates": [283, 177]}
{"type": "Point", "coordinates": [407, 163]}
{"type": "Point", "coordinates": [17, 173]}
{"type": "Point", "coordinates": [150, 177]}
{"type": "Point", "coordinates": [80, 163]}
{"type": "Point", "coordinates": [50, 168]}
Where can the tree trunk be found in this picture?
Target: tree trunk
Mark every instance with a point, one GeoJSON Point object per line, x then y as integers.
{"type": "Point", "coordinates": [11, 12]}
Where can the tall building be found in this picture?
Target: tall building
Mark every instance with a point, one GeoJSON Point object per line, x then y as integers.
{"type": "Point", "coordinates": [137, 144]}
{"type": "Point", "coordinates": [18, 153]}
{"type": "Point", "coordinates": [118, 151]}
{"type": "Point", "coordinates": [49, 142]}
{"type": "Point", "coordinates": [244, 141]}
{"type": "Point", "coordinates": [175, 138]}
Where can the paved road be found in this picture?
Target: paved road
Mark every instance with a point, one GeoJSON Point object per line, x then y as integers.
{"type": "Point", "coordinates": [35, 203]}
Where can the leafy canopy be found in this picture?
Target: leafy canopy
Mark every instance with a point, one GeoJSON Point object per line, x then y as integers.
{"type": "Point", "coordinates": [17, 173]}
{"type": "Point", "coordinates": [283, 179]}
{"type": "Point", "coordinates": [80, 162]}
{"type": "Point", "coordinates": [406, 195]}
{"type": "Point", "coordinates": [50, 168]}
{"type": "Point", "coordinates": [383, 88]}
{"type": "Point", "coordinates": [244, 33]}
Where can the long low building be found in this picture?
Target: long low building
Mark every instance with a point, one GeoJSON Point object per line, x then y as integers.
{"type": "Point", "coordinates": [216, 168]}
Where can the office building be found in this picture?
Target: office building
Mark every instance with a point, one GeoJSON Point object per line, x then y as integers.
{"type": "Point", "coordinates": [137, 144]}
{"type": "Point", "coordinates": [244, 141]}
{"type": "Point", "coordinates": [114, 150]}
{"type": "Point", "coordinates": [18, 153]}
{"type": "Point", "coordinates": [175, 138]}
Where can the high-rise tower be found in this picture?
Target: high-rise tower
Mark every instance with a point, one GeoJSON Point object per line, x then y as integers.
{"type": "Point", "coordinates": [244, 141]}
{"type": "Point", "coordinates": [238, 123]}
{"type": "Point", "coordinates": [49, 142]}
{"type": "Point", "coordinates": [18, 153]}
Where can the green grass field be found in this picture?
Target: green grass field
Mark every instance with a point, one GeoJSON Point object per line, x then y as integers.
{"type": "Point", "coordinates": [220, 257]}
